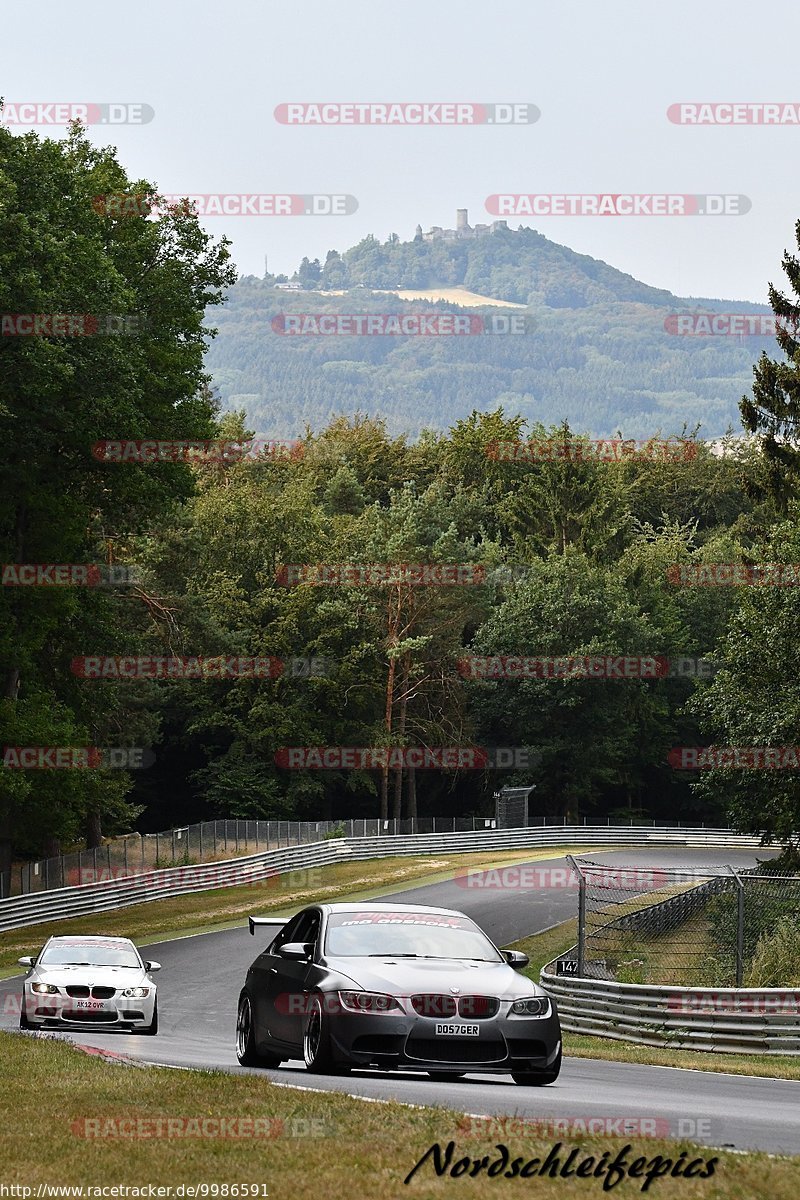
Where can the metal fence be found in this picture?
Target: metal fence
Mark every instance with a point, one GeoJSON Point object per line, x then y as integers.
{"type": "Point", "coordinates": [729, 1021]}
{"type": "Point", "coordinates": [211, 841]}
{"type": "Point", "coordinates": [706, 927]}
{"type": "Point", "coordinates": [267, 866]}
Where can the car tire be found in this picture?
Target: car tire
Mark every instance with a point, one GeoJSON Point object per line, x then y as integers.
{"type": "Point", "coordinates": [24, 1023]}
{"type": "Point", "coordinates": [317, 1053]}
{"type": "Point", "coordinates": [152, 1029]}
{"type": "Point", "coordinates": [446, 1076]}
{"type": "Point", "coordinates": [538, 1078]}
{"type": "Point", "coordinates": [246, 1051]}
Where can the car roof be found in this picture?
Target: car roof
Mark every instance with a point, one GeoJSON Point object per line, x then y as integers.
{"type": "Point", "coordinates": [368, 906]}
{"type": "Point", "coordinates": [82, 939]}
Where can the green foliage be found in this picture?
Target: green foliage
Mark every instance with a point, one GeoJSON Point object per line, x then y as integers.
{"type": "Point", "coordinates": [58, 396]}
{"type": "Point", "coordinates": [776, 960]}
{"type": "Point", "coordinates": [595, 352]}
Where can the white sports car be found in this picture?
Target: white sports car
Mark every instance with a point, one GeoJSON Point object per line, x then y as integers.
{"type": "Point", "coordinates": [89, 981]}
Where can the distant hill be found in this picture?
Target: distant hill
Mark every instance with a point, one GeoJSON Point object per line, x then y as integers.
{"type": "Point", "coordinates": [596, 349]}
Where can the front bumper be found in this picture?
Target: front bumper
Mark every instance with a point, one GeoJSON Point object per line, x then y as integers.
{"type": "Point", "coordinates": [48, 1011]}
{"type": "Point", "coordinates": [503, 1044]}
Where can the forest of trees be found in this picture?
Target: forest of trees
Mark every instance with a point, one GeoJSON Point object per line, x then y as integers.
{"type": "Point", "coordinates": [579, 559]}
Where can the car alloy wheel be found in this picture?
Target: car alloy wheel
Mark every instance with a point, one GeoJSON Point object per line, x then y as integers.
{"type": "Point", "coordinates": [316, 1042]}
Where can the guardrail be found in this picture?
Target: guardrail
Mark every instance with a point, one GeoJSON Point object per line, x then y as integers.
{"type": "Point", "coordinates": [121, 892]}
{"type": "Point", "coordinates": [727, 1020]}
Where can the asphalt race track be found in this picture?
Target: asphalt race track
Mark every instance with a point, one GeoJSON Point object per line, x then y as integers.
{"type": "Point", "coordinates": [202, 976]}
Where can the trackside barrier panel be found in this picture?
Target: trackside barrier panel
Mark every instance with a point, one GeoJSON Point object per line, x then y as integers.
{"type": "Point", "coordinates": [57, 904]}
{"type": "Point", "coordinates": [722, 1020]}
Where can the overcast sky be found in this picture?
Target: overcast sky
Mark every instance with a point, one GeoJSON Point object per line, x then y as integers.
{"type": "Point", "coordinates": [603, 76]}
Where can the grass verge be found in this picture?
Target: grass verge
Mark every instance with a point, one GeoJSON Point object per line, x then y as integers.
{"type": "Point", "coordinates": [308, 1142]}
{"type": "Point", "coordinates": [200, 912]}
{"type": "Point", "coordinates": [543, 947]}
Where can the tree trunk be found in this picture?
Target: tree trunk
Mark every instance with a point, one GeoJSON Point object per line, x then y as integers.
{"type": "Point", "coordinates": [398, 776]}
{"type": "Point", "coordinates": [94, 832]}
{"type": "Point", "coordinates": [392, 623]}
{"type": "Point", "coordinates": [10, 692]}
{"type": "Point", "coordinates": [411, 792]}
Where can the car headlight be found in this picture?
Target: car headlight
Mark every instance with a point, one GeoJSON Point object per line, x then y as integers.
{"type": "Point", "coordinates": [44, 989]}
{"type": "Point", "coordinates": [531, 1006]}
{"type": "Point", "coordinates": [137, 992]}
{"type": "Point", "coordinates": [367, 1002]}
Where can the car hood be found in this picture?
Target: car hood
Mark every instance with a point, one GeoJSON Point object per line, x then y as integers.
{"type": "Point", "coordinates": [407, 976]}
{"type": "Point", "coordinates": [116, 977]}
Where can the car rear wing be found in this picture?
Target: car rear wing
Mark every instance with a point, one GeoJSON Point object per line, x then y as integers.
{"type": "Point", "coordinates": [253, 921]}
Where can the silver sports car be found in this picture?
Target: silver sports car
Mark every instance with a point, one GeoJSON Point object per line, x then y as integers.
{"type": "Point", "coordinates": [389, 985]}
{"type": "Point", "coordinates": [89, 981]}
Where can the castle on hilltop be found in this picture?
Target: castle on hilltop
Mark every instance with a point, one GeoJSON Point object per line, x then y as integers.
{"type": "Point", "coordinates": [462, 230]}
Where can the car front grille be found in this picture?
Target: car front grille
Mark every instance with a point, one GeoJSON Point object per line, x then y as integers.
{"type": "Point", "coordinates": [474, 1008]}
{"type": "Point", "coordinates": [434, 1005]}
{"type": "Point", "coordinates": [81, 992]}
{"type": "Point", "coordinates": [478, 1007]}
{"type": "Point", "coordinates": [456, 1050]}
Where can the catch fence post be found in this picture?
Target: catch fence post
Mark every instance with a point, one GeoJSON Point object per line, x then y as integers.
{"type": "Point", "coordinates": [739, 927]}
{"type": "Point", "coordinates": [581, 915]}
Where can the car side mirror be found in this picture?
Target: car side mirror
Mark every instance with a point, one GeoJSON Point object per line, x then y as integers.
{"type": "Point", "coordinates": [297, 951]}
{"type": "Point", "coordinates": [25, 962]}
{"type": "Point", "coordinates": [516, 959]}
{"type": "Point", "coordinates": [152, 966]}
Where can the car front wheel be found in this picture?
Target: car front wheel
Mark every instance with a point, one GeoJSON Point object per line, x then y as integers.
{"type": "Point", "coordinates": [317, 1053]}
{"type": "Point", "coordinates": [152, 1028]}
{"type": "Point", "coordinates": [538, 1078]}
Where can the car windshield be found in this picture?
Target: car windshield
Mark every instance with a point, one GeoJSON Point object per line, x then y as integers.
{"type": "Point", "coordinates": [407, 934]}
{"type": "Point", "coordinates": [88, 954]}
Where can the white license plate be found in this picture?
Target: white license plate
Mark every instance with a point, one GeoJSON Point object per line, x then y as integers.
{"type": "Point", "coordinates": [94, 1005]}
{"type": "Point", "coordinates": [458, 1030]}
